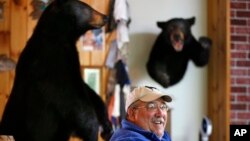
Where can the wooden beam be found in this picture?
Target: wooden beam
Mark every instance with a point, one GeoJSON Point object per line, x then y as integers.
{"type": "Point", "coordinates": [4, 49]}
{"type": "Point", "coordinates": [219, 68]}
{"type": "Point", "coordinates": [18, 28]}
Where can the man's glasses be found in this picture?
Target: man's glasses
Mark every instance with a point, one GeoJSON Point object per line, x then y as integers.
{"type": "Point", "coordinates": [152, 106]}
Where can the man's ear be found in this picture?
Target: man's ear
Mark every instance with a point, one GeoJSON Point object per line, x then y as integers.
{"type": "Point", "coordinates": [131, 114]}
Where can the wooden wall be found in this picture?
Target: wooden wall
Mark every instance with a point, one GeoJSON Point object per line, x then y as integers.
{"type": "Point", "coordinates": [5, 77]}
{"type": "Point", "coordinates": [219, 68]}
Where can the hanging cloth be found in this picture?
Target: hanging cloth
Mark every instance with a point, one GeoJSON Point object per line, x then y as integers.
{"type": "Point", "coordinates": [116, 108]}
{"type": "Point", "coordinates": [121, 16]}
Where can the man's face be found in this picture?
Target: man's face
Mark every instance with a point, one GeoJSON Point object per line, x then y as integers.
{"type": "Point", "coordinates": [151, 116]}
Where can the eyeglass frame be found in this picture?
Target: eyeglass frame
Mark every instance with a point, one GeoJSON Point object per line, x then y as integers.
{"type": "Point", "coordinates": [166, 108]}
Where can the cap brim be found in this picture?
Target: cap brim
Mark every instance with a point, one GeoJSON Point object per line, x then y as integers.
{"type": "Point", "coordinates": [148, 97]}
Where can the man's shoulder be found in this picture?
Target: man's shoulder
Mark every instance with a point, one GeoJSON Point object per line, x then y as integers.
{"type": "Point", "coordinates": [127, 135]}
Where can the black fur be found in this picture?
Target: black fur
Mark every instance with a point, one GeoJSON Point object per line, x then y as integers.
{"type": "Point", "coordinates": [167, 64]}
{"type": "Point", "coordinates": [49, 100]}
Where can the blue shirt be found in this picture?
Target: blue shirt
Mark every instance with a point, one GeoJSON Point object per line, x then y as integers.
{"type": "Point", "coordinates": [132, 132]}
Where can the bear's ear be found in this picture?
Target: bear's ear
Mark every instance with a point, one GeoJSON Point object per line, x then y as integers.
{"type": "Point", "coordinates": [161, 24]}
{"type": "Point", "coordinates": [191, 21]}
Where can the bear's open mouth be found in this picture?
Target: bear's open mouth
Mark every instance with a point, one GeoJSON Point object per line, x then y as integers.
{"type": "Point", "coordinates": [178, 46]}
{"type": "Point", "coordinates": [177, 40]}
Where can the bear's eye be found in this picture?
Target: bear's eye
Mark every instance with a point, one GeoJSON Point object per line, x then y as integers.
{"type": "Point", "coordinates": [170, 28]}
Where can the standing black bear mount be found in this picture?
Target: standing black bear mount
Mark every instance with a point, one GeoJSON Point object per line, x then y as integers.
{"type": "Point", "coordinates": [173, 48]}
{"type": "Point", "coordinates": [49, 100]}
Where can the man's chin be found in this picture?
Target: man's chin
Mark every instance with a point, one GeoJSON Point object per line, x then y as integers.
{"type": "Point", "coordinates": [159, 133]}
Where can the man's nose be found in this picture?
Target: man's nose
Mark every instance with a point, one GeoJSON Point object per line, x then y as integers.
{"type": "Point", "coordinates": [160, 111]}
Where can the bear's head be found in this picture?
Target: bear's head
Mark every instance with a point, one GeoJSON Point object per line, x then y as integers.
{"type": "Point", "coordinates": [177, 32]}
{"type": "Point", "coordinates": [74, 16]}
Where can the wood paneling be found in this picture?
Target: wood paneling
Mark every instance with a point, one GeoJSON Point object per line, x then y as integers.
{"type": "Point", "coordinates": [99, 5]}
{"type": "Point", "coordinates": [18, 24]}
{"type": "Point", "coordinates": [4, 49]}
{"type": "Point", "coordinates": [219, 69]}
{"type": "Point", "coordinates": [5, 21]}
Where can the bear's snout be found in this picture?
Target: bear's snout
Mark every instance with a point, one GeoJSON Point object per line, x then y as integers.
{"type": "Point", "coordinates": [98, 19]}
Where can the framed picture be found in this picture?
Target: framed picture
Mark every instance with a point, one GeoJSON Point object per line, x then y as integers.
{"type": "Point", "coordinates": [92, 40]}
{"type": "Point", "coordinates": [92, 76]}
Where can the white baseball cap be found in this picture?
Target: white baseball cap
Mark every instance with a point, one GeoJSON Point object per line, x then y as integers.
{"type": "Point", "coordinates": [146, 94]}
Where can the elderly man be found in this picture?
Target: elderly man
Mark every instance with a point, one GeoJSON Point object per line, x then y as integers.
{"type": "Point", "coordinates": [146, 118]}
